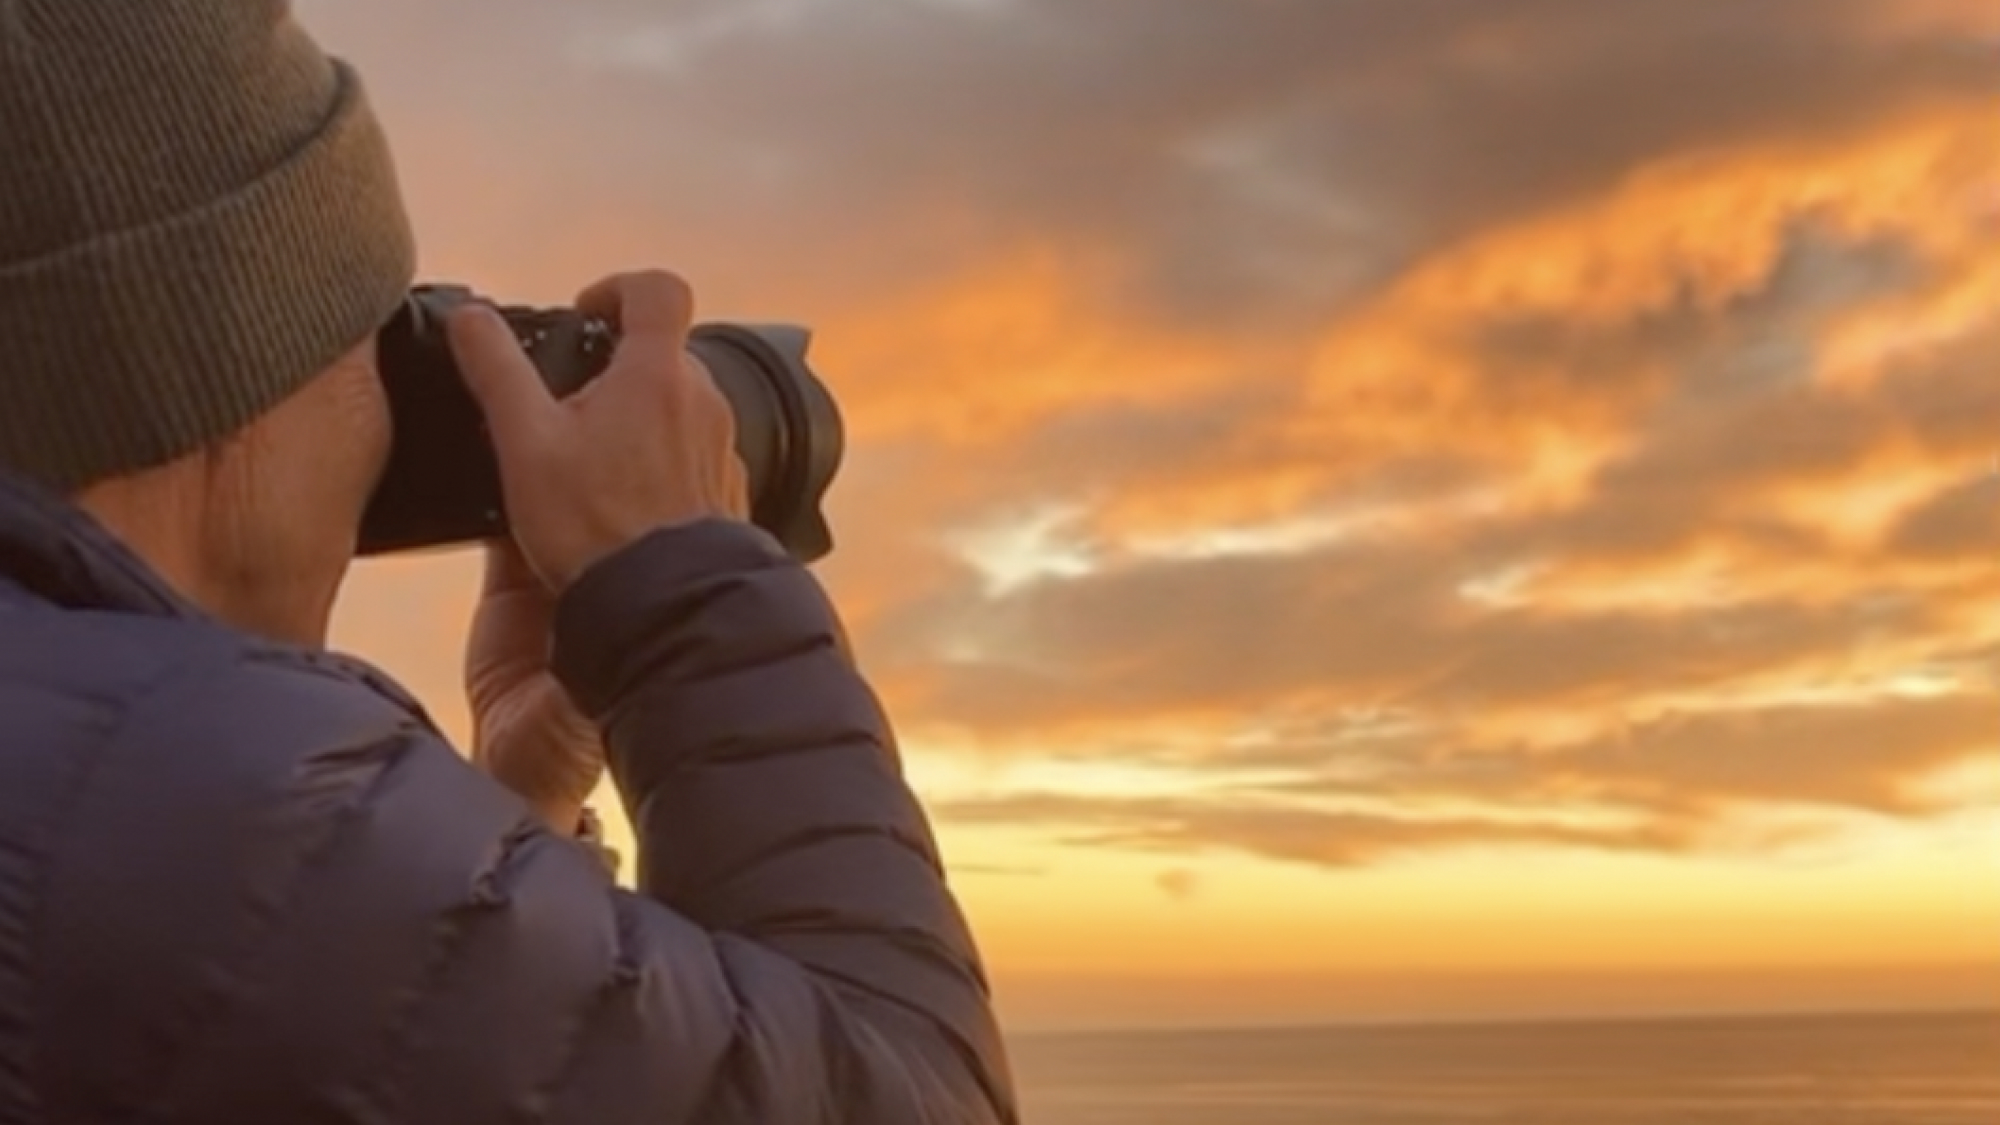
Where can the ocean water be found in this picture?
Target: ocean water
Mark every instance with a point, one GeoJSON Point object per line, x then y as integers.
{"type": "Point", "coordinates": [1872, 1070]}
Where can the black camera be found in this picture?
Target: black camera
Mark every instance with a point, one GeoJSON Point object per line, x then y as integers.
{"type": "Point", "coordinates": [442, 485]}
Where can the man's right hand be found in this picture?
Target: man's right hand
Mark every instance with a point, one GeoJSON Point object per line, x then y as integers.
{"type": "Point", "coordinates": [647, 444]}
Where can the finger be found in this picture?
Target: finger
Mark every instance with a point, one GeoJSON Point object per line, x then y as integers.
{"type": "Point", "coordinates": [701, 377]}
{"type": "Point", "coordinates": [653, 312]}
{"type": "Point", "coordinates": [644, 303]}
{"type": "Point", "coordinates": [510, 391]}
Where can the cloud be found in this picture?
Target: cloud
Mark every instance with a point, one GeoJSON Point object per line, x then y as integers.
{"type": "Point", "coordinates": [1249, 162]}
{"type": "Point", "coordinates": [996, 870]}
{"type": "Point", "coordinates": [1957, 523]}
{"type": "Point", "coordinates": [1673, 784]}
{"type": "Point", "coordinates": [1703, 503]}
{"type": "Point", "coordinates": [1276, 831]}
{"type": "Point", "coordinates": [1450, 408]}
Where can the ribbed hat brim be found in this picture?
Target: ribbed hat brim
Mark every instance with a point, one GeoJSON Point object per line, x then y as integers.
{"type": "Point", "coordinates": [176, 334]}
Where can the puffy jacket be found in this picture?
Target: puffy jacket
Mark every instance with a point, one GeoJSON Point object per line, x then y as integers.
{"type": "Point", "coordinates": [244, 882]}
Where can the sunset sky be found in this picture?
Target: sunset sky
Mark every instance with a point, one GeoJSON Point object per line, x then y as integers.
{"type": "Point", "coordinates": [1359, 508]}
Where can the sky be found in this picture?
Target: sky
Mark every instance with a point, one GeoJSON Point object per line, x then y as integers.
{"type": "Point", "coordinates": [1358, 509]}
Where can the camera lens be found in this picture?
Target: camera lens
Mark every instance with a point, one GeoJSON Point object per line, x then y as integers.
{"type": "Point", "coordinates": [788, 429]}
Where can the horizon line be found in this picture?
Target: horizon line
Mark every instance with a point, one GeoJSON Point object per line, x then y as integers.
{"type": "Point", "coordinates": [1989, 1009]}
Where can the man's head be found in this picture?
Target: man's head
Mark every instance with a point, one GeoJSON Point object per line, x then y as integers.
{"type": "Point", "coordinates": [200, 232]}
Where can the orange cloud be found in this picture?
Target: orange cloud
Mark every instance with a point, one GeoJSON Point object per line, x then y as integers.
{"type": "Point", "coordinates": [1638, 524]}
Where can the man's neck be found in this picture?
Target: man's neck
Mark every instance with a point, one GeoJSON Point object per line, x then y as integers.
{"type": "Point", "coordinates": [199, 549]}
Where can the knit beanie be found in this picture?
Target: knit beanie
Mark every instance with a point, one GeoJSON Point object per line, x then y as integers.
{"type": "Point", "coordinates": [198, 213]}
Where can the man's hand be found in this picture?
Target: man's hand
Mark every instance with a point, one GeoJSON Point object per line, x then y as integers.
{"type": "Point", "coordinates": [525, 731]}
{"type": "Point", "coordinates": [648, 444]}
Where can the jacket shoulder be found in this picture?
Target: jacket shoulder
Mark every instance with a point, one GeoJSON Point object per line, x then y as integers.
{"type": "Point", "coordinates": [122, 662]}
{"type": "Point", "coordinates": [208, 778]}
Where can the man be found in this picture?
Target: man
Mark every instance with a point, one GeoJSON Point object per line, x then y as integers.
{"type": "Point", "coordinates": [244, 880]}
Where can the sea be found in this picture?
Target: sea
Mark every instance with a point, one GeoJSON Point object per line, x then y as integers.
{"type": "Point", "coordinates": [1941, 1069]}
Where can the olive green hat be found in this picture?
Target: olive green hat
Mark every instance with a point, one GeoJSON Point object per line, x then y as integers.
{"type": "Point", "coordinates": [198, 213]}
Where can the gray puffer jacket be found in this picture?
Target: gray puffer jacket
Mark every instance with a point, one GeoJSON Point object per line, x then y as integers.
{"type": "Point", "coordinates": [241, 882]}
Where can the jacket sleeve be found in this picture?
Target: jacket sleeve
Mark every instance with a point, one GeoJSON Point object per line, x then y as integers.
{"type": "Point", "coordinates": [412, 947]}
{"type": "Point", "coordinates": [765, 792]}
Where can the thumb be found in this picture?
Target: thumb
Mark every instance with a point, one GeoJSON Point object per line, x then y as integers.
{"type": "Point", "coordinates": [504, 381]}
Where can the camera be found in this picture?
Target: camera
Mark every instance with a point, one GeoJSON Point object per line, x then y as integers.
{"type": "Point", "coordinates": [442, 484]}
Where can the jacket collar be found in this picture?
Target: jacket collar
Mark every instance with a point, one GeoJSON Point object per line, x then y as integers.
{"type": "Point", "coordinates": [57, 552]}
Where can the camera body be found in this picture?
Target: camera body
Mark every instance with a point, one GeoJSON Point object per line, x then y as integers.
{"type": "Point", "coordinates": [442, 484]}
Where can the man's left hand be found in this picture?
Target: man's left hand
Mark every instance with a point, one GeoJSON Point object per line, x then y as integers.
{"type": "Point", "coordinates": [526, 732]}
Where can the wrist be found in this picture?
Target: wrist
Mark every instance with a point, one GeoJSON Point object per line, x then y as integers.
{"type": "Point", "coordinates": [564, 818]}
{"type": "Point", "coordinates": [558, 793]}
{"type": "Point", "coordinates": [589, 831]}
{"type": "Point", "coordinates": [617, 607]}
